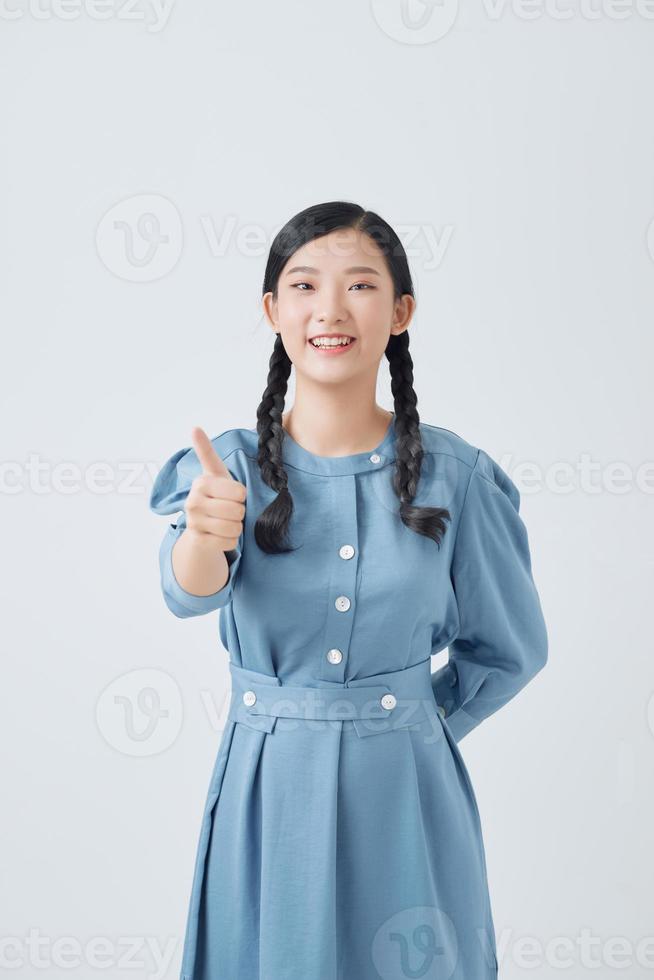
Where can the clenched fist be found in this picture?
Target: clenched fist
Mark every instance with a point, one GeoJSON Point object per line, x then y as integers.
{"type": "Point", "coordinates": [216, 501]}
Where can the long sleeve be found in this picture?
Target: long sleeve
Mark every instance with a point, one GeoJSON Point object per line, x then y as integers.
{"type": "Point", "coordinates": [502, 638]}
{"type": "Point", "coordinates": [169, 492]}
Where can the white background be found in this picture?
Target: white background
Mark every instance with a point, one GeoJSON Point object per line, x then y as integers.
{"type": "Point", "coordinates": [511, 147]}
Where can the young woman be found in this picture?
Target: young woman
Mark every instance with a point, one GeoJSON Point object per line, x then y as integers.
{"type": "Point", "coordinates": [344, 545]}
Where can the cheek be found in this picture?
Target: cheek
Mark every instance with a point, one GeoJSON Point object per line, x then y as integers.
{"type": "Point", "coordinates": [374, 315]}
{"type": "Point", "coordinates": [294, 337]}
{"type": "Point", "coordinates": [293, 313]}
{"type": "Point", "coordinates": [374, 329]}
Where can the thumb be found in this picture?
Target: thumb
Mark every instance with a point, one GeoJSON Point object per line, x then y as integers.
{"type": "Point", "coordinates": [212, 464]}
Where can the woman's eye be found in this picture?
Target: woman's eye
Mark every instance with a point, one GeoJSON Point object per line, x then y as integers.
{"type": "Point", "coordinates": [298, 285]}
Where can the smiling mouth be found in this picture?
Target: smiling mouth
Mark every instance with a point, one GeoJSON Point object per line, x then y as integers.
{"type": "Point", "coordinates": [332, 345]}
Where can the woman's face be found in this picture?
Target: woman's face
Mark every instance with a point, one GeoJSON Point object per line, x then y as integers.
{"type": "Point", "coordinates": [337, 285]}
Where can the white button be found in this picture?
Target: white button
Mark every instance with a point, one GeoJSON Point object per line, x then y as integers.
{"type": "Point", "coordinates": [441, 711]}
{"type": "Point", "coordinates": [342, 603]}
{"type": "Point", "coordinates": [375, 458]}
{"type": "Point", "coordinates": [249, 698]}
{"type": "Point", "coordinates": [334, 656]}
{"type": "Point", "coordinates": [346, 551]}
{"type": "Point", "coordinates": [388, 701]}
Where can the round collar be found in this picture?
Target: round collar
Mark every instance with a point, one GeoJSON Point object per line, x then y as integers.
{"type": "Point", "coordinates": [374, 459]}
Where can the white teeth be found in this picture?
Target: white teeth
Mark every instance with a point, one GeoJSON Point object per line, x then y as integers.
{"type": "Point", "coordinates": [331, 342]}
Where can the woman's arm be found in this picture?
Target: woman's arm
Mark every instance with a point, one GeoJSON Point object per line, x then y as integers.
{"type": "Point", "coordinates": [196, 579]}
{"type": "Point", "coordinates": [199, 568]}
{"type": "Point", "coordinates": [502, 638]}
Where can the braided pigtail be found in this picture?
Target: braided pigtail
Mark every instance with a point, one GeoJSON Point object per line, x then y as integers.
{"type": "Point", "coordinates": [429, 521]}
{"type": "Point", "coordinates": [271, 527]}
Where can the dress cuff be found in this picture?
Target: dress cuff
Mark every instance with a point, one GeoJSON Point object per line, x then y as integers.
{"type": "Point", "coordinates": [444, 686]}
{"type": "Point", "coordinates": [196, 604]}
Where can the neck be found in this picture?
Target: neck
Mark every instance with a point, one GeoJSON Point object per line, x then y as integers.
{"type": "Point", "coordinates": [329, 426]}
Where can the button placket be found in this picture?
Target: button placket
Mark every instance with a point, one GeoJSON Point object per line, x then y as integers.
{"type": "Point", "coordinates": [344, 556]}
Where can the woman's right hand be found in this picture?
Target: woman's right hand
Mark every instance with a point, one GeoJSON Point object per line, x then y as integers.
{"type": "Point", "coordinates": [215, 505]}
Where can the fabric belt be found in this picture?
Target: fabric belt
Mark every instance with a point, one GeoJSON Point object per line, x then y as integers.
{"type": "Point", "coordinates": [378, 703]}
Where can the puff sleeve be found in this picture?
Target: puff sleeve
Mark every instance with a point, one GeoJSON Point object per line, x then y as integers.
{"type": "Point", "coordinates": [169, 492]}
{"type": "Point", "coordinates": [502, 639]}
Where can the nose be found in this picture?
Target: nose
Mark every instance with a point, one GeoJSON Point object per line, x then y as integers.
{"type": "Point", "coordinates": [329, 319]}
{"type": "Point", "coordinates": [330, 310]}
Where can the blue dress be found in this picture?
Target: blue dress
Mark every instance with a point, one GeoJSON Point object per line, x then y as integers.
{"type": "Point", "coordinates": [341, 838]}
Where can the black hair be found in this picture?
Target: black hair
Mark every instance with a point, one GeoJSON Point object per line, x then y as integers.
{"type": "Point", "coordinates": [271, 527]}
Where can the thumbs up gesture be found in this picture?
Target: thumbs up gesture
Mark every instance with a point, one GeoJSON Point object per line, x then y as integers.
{"type": "Point", "coordinates": [216, 501]}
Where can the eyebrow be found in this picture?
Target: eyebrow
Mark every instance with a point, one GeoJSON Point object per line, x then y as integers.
{"type": "Point", "coordinates": [316, 272]}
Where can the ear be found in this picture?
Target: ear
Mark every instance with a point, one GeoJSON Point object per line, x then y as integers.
{"type": "Point", "coordinates": [403, 313]}
{"type": "Point", "coordinates": [270, 311]}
